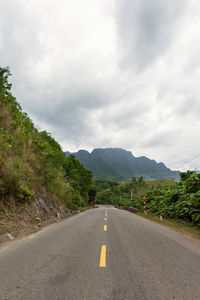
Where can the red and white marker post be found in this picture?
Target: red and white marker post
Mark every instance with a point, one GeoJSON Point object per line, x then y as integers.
{"type": "Point", "coordinates": [144, 198]}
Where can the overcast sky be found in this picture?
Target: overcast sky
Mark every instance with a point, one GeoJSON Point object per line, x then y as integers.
{"type": "Point", "coordinates": [117, 73]}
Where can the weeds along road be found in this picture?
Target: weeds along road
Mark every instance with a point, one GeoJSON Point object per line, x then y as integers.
{"type": "Point", "coordinates": [104, 253]}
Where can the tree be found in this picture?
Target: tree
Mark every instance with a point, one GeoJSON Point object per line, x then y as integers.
{"type": "Point", "coordinates": [5, 87]}
{"type": "Point", "coordinates": [92, 194]}
{"type": "Point", "coordinates": [141, 180]}
{"type": "Point", "coordinates": [134, 180]}
{"type": "Point", "coordinates": [79, 177]}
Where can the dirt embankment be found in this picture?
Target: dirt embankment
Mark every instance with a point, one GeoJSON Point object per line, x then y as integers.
{"type": "Point", "coordinates": [17, 219]}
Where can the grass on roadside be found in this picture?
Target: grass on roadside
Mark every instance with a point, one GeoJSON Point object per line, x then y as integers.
{"type": "Point", "coordinates": [175, 224]}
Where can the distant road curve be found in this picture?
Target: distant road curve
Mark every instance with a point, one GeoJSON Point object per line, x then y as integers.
{"type": "Point", "coordinates": [104, 253]}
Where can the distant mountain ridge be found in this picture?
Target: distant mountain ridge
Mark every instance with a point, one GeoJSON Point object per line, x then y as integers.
{"type": "Point", "coordinates": [120, 165]}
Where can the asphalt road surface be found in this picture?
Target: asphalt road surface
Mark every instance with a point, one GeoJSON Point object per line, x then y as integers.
{"type": "Point", "coordinates": [104, 253]}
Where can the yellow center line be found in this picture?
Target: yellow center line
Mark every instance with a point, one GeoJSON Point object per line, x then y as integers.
{"type": "Point", "coordinates": [105, 219]}
{"type": "Point", "coordinates": [102, 263]}
{"type": "Point", "coordinates": [105, 228]}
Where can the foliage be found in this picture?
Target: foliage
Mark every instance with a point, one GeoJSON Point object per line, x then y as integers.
{"type": "Point", "coordinates": [179, 201]}
{"type": "Point", "coordinates": [92, 194]}
{"type": "Point", "coordinates": [171, 199]}
{"type": "Point", "coordinates": [129, 194]}
{"type": "Point", "coordinates": [29, 158]}
{"type": "Point", "coordinates": [102, 185]}
{"type": "Point", "coordinates": [79, 177]}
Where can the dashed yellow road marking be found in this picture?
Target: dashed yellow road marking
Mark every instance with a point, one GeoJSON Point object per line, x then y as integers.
{"type": "Point", "coordinates": [105, 219]}
{"type": "Point", "coordinates": [105, 228]}
{"type": "Point", "coordinates": [102, 263]}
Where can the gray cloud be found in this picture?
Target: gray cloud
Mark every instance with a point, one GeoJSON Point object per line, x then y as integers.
{"type": "Point", "coordinates": [19, 35]}
{"type": "Point", "coordinates": [72, 111]}
{"type": "Point", "coordinates": [146, 29]}
{"type": "Point", "coordinates": [123, 74]}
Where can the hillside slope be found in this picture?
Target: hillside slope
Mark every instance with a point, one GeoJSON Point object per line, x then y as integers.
{"type": "Point", "coordinates": [120, 165]}
{"type": "Point", "coordinates": [37, 180]}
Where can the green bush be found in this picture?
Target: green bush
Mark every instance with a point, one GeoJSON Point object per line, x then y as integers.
{"type": "Point", "coordinates": [180, 201]}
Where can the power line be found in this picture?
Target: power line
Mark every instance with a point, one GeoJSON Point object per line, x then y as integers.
{"type": "Point", "coordinates": [196, 156]}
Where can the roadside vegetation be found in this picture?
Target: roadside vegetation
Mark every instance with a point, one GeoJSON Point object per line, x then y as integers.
{"type": "Point", "coordinates": [32, 162]}
{"type": "Point", "coordinates": [102, 185]}
{"type": "Point", "coordinates": [174, 200]}
{"type": "Point", "coordinates": [181, 201]}
{"type": "Point", "coordinates": [129, 194]}
{"type": "Point", "coordinates": [178, 225]}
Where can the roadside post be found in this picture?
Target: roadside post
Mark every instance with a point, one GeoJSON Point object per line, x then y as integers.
{"type": "Point", "coordinates": [144, 198]}
{"type": "Point", "coordinates": [161, 218]}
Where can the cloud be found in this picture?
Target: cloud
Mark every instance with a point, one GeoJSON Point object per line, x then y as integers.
{"type": "Point", "coordinates": [118, 73]}
{"type": "Point", "coordinates": [58, 62]}
{"type": "Point", "coordinates": [146, 29]}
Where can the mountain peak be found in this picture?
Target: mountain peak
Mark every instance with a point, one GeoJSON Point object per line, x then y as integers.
{"type": "Point", "coordinates": [120, 165]}
{"type": "Point", "coordinates": [116, 151]}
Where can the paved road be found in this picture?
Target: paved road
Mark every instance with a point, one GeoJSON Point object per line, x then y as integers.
{"type": "Point", "coordinates": [139, 260]}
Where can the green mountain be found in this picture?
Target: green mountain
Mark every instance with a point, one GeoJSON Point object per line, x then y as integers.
{"type": "Point", "coordinates": [120, 165]}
